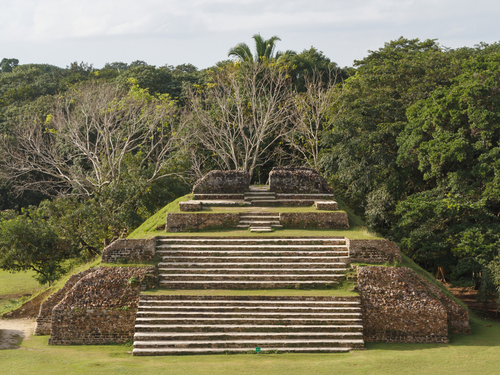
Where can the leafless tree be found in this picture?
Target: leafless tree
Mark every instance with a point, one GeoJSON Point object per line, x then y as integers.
{"type": "Point", "coordinates": [242, 112]}
{"type": "Point", "coordinates": [315, 112]}
{"type": "Point", "coordinates": [93, 132]}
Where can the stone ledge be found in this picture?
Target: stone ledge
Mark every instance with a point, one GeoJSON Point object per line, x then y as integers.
{"type": "Point", "coordinates": [188, 222]}
{"type": "Point", "coordinates": [400, 306]}
{"type": "Point", "coordinates": [320, 220]}
{"type": "Point", "coordinates": [190, 206]}
{"type": "Point", "coordinates": [373, 251]}
{"type": "Point", "coordinates": [131, 250]}
{"type": "Point", "coordinates": [326, 205]}
{"type": "Point", "coordinates": [222, 182]}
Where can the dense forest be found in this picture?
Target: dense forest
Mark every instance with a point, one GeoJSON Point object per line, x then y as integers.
{"type": "Point", "coordinates": [409, 137]}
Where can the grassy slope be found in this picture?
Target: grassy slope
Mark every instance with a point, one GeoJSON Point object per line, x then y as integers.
{"type": "Point", "coordinates": [465, 354]}
{"type": "Point", "coordinates": [14, 285]}
{"type": "Point", "coordinates": [148, 228]}
{"type": "Point", "coordinates": [15, 289]}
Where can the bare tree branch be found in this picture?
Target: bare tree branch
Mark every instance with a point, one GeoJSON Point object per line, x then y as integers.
{"type": "Point", "coordinates": [93, 131]}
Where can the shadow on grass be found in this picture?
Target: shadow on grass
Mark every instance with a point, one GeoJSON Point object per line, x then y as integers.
{"type": "Point", "coordinates": [485, 332]}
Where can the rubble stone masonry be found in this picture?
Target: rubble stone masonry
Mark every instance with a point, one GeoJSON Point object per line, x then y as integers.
{"type": "Point", "coordinates": [400, 306]}
{"type": "Point", "coordinates": [222, 182]}
{"type": "Point", "coordinates": [297, 181]}
{"type": "Point", "coordinates": [189, 222]}
{"type": "Point", "coordinates": [373, 251]}
{"type": "Point", "coordinates": [100, 308]}
{"type": "Point", "coordinates": [131, 250]}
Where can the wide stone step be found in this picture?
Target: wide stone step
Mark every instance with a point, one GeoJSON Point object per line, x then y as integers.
{"type": "Point", "coordinates": [251, 328]}
{"type": "Point", "coordinates": [252, 277]}
{"type": "Point", "coordinates": [144, 307]}
{"type": "Point", "coordinates": [199, 351]}
{"type": "Point", "coordinates": [201, 336]}
{"type": "Point", "coordinates": [251, 241]}
{"type": "Point", "coordinates": [260, 217]}
{"type": "Point", "coordinates": [256, 254]}
{"type": "Point", "coordinates": [241, 315]}
{"type": "Point", "coordinates": [235, 312]}
{"type": "Point", "coordinates": [271, 247]}
{"type": "Point", "coordinates": [260, 271]}
{"type": "Point", "coordinates": [261, 229]}
{"type": "Point", "coordinates": [249, 343]}
{"type": "Point", "coordinates": [259, 222]}
{"type": "Point", "coordinates": [277, 284]}
{"type": "Point", "coordinates": [185, 263]}
{"type": "Point", "coordinates": [268, 259]}
{"type": "Point", "coordinates": [286, 301]}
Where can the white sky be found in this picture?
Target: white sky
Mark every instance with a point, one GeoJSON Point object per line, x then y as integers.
{"type": "Point", "coordinates": [201, 32]}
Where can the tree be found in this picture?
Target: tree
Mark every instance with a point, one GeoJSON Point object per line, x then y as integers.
{"type": "Point", "coordinates": [6, 65]}
{"type": "Point", "coordinates": [363, 162]}
{"type": "Point", "coordinates": [315, 111]}
{"type": "Point", "coordinates": [264, 49]}
{"type": "Point", "coordinates": [95, 132]}
{"type": "Point", "coordinates": [29, 242]}
{"type": "Point", "coordinates": [241, 113]}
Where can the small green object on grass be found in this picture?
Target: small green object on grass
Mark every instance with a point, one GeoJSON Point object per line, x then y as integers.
{"type": "Point", "coordinates": [257, 349]}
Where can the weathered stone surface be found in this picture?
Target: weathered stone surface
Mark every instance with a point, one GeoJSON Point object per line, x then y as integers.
{"type": "Point", "coordinates": [326, 205]}
{"type": "Point", "coordinates": [373, 251]}
{"type": "Point", "coordinates": [320, 220]}
{"type": "Point", "coordinates": [100, 307]}
{"type": "Point", "coordinates": [44, 318]}
{"type": "Point", "coordinates": [400, 306]}
{"type": "Point", "coordinates": [189, 222]}
{"type": "Point", "coordinates": [222, 182]}
{"type": "Point", "coordinates": [297, 181]}
{"type": "Point", "coordinates": [190, 206]}
{"type": "Point", "coordinates": [129, 250]}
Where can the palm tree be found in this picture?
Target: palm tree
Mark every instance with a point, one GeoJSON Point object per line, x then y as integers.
{"type": "Point", "coordinates": [264, 49]}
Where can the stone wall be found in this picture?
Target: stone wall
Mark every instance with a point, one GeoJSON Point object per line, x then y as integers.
{"type": "Point", "coordinates": [44, 319]}
{"type": "Point", "coordinates": [100, 308]}
{"type": "Point", "coordinates": [373, 251]}
{"type": "Point", "coordinates": [319, 220]}
{"type": "Point", "coordinates": [129, 250]}
{"type": "Point", "coordinates": [297, 181]}
{"type": "Point", "coordinates": [222, 182]}
{"type": "Point", "coordinates": [94, 326]}
{"type": "Point", "coordinates": [192, 222]}
{"type": "Point", "coordinates": [400, 306]}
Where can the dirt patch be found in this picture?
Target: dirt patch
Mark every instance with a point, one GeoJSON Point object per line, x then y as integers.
{"type": "Point", "coordinates": [14, 331]}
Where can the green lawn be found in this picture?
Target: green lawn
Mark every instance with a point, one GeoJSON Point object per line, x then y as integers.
{"type": "Point", "coordinates": [465, 354]}
{"type": "Point", "coordinates": [16, 287]}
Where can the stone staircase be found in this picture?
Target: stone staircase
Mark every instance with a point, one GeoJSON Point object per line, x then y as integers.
{"type": "Point", "coordinates": [259, 221]}
{"type": "Point", "coordinates": [239, 324]}
{"type": "Point", "coordinates": [200, 324]}
{"type": "Point", "coordinates": [251, 263]}
{"type": "Point", "coordinates": [260, 196]}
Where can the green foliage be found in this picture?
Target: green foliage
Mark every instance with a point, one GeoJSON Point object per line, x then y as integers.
{"type": "Point", "coordinates": [29, 242]}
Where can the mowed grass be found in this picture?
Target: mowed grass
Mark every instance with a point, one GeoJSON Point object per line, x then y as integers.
{"type": "Point", "coordinates": [14, 286]}
{"type": "Point", "coordinates": [465, 354]}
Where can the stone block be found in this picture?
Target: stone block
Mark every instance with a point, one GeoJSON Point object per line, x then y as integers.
{"type": "Point", "coordinates": [320, 220]}
{"type": "Point", "coordinates": [326, 205]}
{"type": "Point", "coordinates": [222, 182]}
{"type": "Point", "coordinates": [129, 250]}
{"type": "Point", "coordinates": [373, 251]}
{"type": "Point", "coordinates": [190, 206]}
{"type": "Point", "coordinates": [192, 222]}
{"type": "Point", "coordinates": [297, 181]}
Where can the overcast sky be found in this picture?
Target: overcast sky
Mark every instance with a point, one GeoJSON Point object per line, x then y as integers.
{"type": "Point", "coordinates": [202, 31]}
